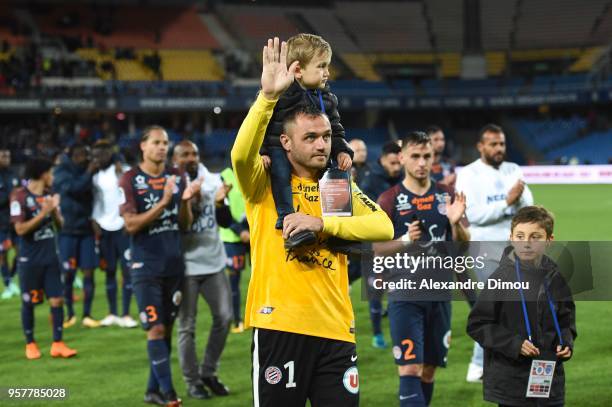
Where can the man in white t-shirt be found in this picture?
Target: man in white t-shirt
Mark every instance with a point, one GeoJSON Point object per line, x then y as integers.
{"type": "Point", "coordinates": [205, 263]}
{"type": "Point", "coordinates": [114, 243]}
{"type": "Point", "coordinates": [494, 191]}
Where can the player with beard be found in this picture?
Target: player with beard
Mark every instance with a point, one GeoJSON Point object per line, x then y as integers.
{"type": "Point", "coordinates": [441, 170]}
{"type": "Point", "coordinates": [205, 262]}
{"type": "Point", "coordinates": [495, 191]}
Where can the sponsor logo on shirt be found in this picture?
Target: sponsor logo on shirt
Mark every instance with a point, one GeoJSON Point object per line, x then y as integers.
{"type": "Point", "coordinates": [495, 198]}
{"type": "Point", "coordinates": [423, 203]}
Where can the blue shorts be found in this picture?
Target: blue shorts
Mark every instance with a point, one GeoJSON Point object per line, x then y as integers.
{"type": "Point", "coordinates": [36, 281]}
{"type": "Point", "coordinates": [236, 256]}
{"type": "Point", "coordinates": [114, 246]}
{"type": "Point", "coordinates": [420, 332]}
{"type": "Point", "coordinates": [77, 251]}
{"type": "Point", "coordinates": [158, 297]}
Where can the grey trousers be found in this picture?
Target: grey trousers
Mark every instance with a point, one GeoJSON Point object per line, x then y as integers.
{"type": "Point", "coordinates": [215, 289]}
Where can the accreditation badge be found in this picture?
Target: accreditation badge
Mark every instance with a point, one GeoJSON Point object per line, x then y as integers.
{"type": "Point", "coordinates": [335, 192]}
{"type": "Point", "coordinates": [540, 378]}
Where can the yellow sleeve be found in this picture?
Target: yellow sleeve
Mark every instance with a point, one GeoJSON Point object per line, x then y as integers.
{"type": "Point", "coordinates": [368, 223]}
{"type": "Point", "coordinates": [247, 163]}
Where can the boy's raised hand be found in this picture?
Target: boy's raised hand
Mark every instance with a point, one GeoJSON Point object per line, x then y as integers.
{"type": "Point", "coordinates": [275, 77]}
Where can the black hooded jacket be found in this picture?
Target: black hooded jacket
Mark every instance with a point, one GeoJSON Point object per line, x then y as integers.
{"type": "Point", "coordinates": [497, 323]}
{"type": "Point", "coordinates": [294, 96]}
{"type": "Point", "coordinates": [74, 185]}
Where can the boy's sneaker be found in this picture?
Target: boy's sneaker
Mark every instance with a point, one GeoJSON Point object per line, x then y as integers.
{"type": "Point", "coordinates": [238, 329]}
{"type": "Point", "coordinates": [127, 321]}
{"type": "Point", "coordinates": [215, 386]}
{"type": "Point", "coordinates": [110, 320]}
{"type": "Point", "coordinates": [303, 238]}
{"type": "Point", "coordinates": [60, 350]}
{"type": "Point", "coordinates": [32, 351]}
{"type": "Point", "coordinates": [70, 322]}
{"type": "Point", "coordinates": [378, 341]}
{"type": "Point", "coordinates": [154, 397]}
{"type": "Point", "coordinates": [89, 322]}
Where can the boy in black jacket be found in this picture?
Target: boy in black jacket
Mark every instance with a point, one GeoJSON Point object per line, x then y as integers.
{"type": "Point", "coordinates": [313, 54]}
{"type": "Point", "coordinates": [514, 328]}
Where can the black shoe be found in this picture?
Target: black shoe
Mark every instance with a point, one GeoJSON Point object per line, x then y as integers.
{"type": "Point", "coordinates": [348, 247]}
{"type": "Point", "coordinates": [213, 383]}
{"type": "Point", "coordinates": [198, 392]}
{"type": "Point", "coordinates": [303, 238]}
{"type": "Point", "coordinates": [154, 397]}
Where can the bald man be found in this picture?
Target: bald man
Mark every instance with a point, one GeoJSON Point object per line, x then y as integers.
{"type": "Point", "coordinates": [360, 168]}
{"type": "Point", "coordinates": [205, 262]}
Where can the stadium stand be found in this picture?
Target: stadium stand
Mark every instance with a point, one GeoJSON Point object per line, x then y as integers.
{"type": "Point", "coordinates": [448, 33]}
{"type": "Point", "coordinates": [596, 148]}
{"type": "Point", "coordinates": [398, 27]}
{"type": "Point", "coordinates": [563, 26]}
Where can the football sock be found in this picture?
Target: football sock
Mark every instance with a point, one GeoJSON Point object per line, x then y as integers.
{"type": "Point", "coordinates": [428, 389]}
{"type": "Point", "coordinates": [88, 292]}
{"type": "Point", "coordinates": [57, 320]}
{"type": "Point", "coordinates": [410, 392]}
{"type": "Point", "coordinates": [160, 362]}
{"type": "Point", "coordinates": [6, 274]}
{"type": "Point", "coordinates": [376, 316]}
{"type": "Point", "coordinates": [111, 290]}
{"type": "Point", "coordinates": [126, 293]}
{"type": "Point", "coordinates": [27, 320]}
{"type": "Point", "coordinates": [68, 291]}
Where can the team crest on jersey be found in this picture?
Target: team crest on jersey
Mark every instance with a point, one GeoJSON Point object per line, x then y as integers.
{"type": "Point", "coordinates": [402, 202]}
{"type": "Point", "coordinates": [351, 380]}
{"type": "Point", "coordinates": [143, 317]}
{"type": "Point", "coordinates": [26, 297]}
{"type": "Point", "coordinates": [273, 375]}
{"type": "Point", "coordinates": [397, 352]}
{"type": "Point", "coordinates": [30, 202]}
{"type": "Point", "coordinates": [442, 209]}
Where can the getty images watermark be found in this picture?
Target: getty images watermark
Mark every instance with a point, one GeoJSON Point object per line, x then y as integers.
{"type": "Point", "coordinates": [407, 263]}
{"type": "Point", "coordinates": [451, 270]}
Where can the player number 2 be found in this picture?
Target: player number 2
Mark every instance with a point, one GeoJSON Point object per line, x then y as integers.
{"type": "Point", "coordinates": [290, 366]}
{"type": "Point", "coordinates": [408, 355]}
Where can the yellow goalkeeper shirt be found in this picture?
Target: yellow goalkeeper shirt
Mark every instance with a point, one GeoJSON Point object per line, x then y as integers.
{"type": "Point", "coordinates": [304, 291]}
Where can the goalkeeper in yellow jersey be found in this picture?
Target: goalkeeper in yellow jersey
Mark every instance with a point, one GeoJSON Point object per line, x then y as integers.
{"type": "Point", "coordinates": [298, 300]}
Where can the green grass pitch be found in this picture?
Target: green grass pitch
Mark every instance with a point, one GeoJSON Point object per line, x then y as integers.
{"type": "Point", "coordinates": [112, 368]}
